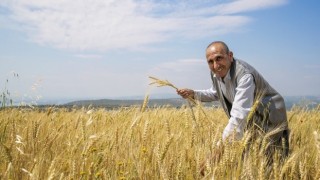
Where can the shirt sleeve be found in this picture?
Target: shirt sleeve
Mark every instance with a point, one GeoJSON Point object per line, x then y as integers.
{"type": "Point", "coordinates": [207, 95]}
{"type": "Point", "coordinates": [241, 106]}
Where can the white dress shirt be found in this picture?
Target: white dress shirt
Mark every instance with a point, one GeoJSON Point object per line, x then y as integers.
{"type": "Point", "coordinates": [241, 98]}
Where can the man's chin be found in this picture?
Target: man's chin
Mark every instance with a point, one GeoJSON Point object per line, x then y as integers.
{"type": "Point", "coordinates": [220, 75]}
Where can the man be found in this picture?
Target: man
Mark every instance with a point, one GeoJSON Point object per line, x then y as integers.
{"type": "Point", "coordinates": [237, 86]}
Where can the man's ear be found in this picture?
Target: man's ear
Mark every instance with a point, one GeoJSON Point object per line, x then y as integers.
{"type": "Point", "coordinates": [231, 55]}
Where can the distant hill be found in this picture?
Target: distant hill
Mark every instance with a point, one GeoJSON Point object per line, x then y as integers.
{"type": "Point", "coordinates": [302, 101]}
{"type": "Point", "coordinates": [174, 102]}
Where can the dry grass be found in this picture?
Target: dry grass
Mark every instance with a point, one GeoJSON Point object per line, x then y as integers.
{"type": "Point", "coordinates": [160, 143]}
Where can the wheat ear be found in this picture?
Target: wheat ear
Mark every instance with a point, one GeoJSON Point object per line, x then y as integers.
{"type": "Point", "coordinates": [161, 83]}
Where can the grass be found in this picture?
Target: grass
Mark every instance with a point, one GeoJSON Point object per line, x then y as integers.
{"type": "Point", "coordinates": [157, 143]}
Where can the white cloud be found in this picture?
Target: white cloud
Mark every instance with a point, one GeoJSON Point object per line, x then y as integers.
{"type": "Point", "coordinates": [126, 24]}
{"type": "Point", "coordinates": [88, 56]}
{"type": "Point", "coordinates": [239, 6]}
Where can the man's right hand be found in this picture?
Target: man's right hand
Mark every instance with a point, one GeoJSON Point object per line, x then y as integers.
{"type": "Point", "coordinates": [185, 93]}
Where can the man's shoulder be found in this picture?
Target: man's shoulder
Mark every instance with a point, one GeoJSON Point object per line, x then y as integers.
{"type": "Point", "coordinates": [241, 62]}
{"type": "Point", "coordinates": [243, 65]}
{"type": "Point", "coordinates": [242, 69]}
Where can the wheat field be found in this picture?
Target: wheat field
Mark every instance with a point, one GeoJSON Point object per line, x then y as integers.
{"type": "Point", "coordinates": [145, 143]}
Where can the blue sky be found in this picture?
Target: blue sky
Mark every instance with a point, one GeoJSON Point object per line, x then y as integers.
{"type": "Point", "coordinates": [102, 49]}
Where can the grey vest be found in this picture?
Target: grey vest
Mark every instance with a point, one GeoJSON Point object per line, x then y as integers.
{"type": "Point", "coordinates": [271, 100]}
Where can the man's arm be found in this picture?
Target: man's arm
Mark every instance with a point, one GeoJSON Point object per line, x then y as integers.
{"type": "Point", "coordinates": [207, 95]}
{"type": "Point", "coordinates": [202, 95]}
{"type": "Point", "coordinates": [241, 106]}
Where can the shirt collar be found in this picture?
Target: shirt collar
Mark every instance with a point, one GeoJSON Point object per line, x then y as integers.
{"type": "Point", "coordinates": [227, 77]}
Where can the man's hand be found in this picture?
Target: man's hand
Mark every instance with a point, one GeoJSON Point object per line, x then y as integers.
{"type": "Point", "coordinates": [185, 93]}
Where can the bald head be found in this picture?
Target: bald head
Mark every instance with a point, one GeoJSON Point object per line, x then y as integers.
{"type": "Point", "coordinates": [219, 43]}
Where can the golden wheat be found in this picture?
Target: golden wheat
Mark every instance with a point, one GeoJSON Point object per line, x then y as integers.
{"type": "Point", "coordinates": [128, 143]}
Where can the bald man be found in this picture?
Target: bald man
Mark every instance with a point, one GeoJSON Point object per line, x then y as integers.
{"type": "Point", "coordinates": [237, 85]}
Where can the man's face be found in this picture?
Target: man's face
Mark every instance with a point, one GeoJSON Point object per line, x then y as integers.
{"type": "Point", "coordinates": [219, 60]}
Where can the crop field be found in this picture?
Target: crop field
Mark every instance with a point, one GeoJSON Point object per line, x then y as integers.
{"type": "Point", "coordinates": [147, 143]}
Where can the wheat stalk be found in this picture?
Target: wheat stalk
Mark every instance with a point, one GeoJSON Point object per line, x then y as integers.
{"type": "Point", "coordinates": [161, 83]}
{"type": "Point", "coordinates": [144, 104]}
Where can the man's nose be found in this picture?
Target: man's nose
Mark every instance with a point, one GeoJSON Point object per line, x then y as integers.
{"type": "Point", "coordinates": [216, 65]}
